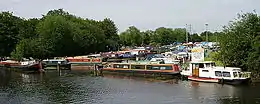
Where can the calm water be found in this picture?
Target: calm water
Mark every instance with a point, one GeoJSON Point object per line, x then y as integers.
{"type": "Point", "coordinates": [78, 88]}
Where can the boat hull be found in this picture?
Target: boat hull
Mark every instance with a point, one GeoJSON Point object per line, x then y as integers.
{"type": "Point", "coordinates": [33, 67]}
{"type": "Point", "coordinates": [220, 81]}
{"type": "Point", "coordinates": [143, 71]}
{"type": "Point", "coordinates": [211, 80]}
{"type": "Point", "coordinates": [237, 81]}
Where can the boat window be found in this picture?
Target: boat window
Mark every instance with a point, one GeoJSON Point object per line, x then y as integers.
{"type": "Point", "coordinates": [218, 73]}
{"type": "Point", "coordinates": [239, 74]}
{"type": "Point", "coordinates": [207, 65]}
{"type": "Point", "coordinates": [226, 74]}
{"type": "Point", "coordinates": [213, 64]}
{"type": "Point", "coordinates": [156, 67]}
{"type": "Point", "coordinates": [205, 70]}
{"type": "Point", "coordinates": [235, 74]}
{"type": "Point", "coordinates": [137, 66]}
{"type": "Point", "coordinates": [121, 66]}
{"type": "Point", "coordinates": [201, 65]}
{"type": "Point", "coordinates": [148, 67]}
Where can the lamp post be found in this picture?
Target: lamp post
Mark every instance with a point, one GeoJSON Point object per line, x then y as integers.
{"type": "Point", "coordinates": [187, 38]}
{"type": "Point", "coordinates": [207, 37]}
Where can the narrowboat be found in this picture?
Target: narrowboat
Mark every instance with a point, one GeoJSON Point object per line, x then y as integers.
{"type": "Point", "coordinates": [82, 60]}
{"type": "Point", "coordinates": [207, 71]}
{"type": "Point", "coordinates": [53, 64]}
{"type": "Point", "coordinates": [26, 65]}
{"type": "Point", "coordinates": [144, 67]}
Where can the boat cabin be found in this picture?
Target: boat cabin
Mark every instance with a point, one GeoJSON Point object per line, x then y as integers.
{"type": "Point", "coordinates": [54, 61]}
{"type": "Point", "coordinates": [208, 69]}
{"type": "Point", "coordinates": [169, 68]}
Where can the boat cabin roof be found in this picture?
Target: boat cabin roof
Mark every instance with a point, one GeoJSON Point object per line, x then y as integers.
{"type": "Point", "coordinates": [228, 68]}
{"type": "Point", "coordinates": [199, 62]}
{"type": "Point", "coordinates": [141, 63]}
{"type": "Point", "coordinates": [53, 60]}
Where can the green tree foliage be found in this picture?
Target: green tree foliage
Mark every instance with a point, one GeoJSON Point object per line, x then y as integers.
{"type": "Point", "coordinates": [9, 30]}
{"type": "Point", "coordinates": [56, 33]}
{"type": "Point", "coordinates": [164, 36]}
{"type": "Point", "coordinates": [146, 36]}
{"type": "Point", "coordinates": [131, 37]}
{"type": "Point", "coordinates": [180, 34]}
{"type": "Point", "coordinates": [212, 37]}
{"type": "Point", "coordinates": [240, 43]}
{"type": "Point", "coordinates": [59, 33]}
{"type": "Point", "coordinates": [195, 38]}
{"type": "Point", "coordinates": [110, 31]}
{"type": "Point", "coordinates": [161, 36]}
{"type": "Point", "coordinates": [28, 29]}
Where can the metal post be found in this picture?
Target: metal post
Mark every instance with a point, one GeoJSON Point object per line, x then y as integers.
{"type": "Point", "coordinates": [95, 70]}
{"type": "Point", "coordinates": [207, 37]}
{"type": "Point", "coordinates": [187, 39]}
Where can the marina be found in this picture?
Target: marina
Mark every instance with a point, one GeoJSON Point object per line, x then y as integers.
{"type": "Point", "coordinates": [187, 62]}
{"type": "Point", "coordinates": [129, 52]}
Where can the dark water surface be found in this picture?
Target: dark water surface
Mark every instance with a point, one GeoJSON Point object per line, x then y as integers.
{"type": "Point", "coordinates": [78, 88]}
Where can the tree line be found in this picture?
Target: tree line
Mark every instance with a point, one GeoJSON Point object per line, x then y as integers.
{"type": "Point", "coordinates": [163, 36]}
{"type": "Point", "coordinates": [59, 33]}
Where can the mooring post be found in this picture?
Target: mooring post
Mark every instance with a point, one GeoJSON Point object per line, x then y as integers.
{"type": "Point", "coordinates": [101, 70]}
{"type": "Point", "coordinates": [41, 70]}
{"type": "Point", "coordinates": [95, 70]}
{"type": "Point", "coordinates": [58, 67]}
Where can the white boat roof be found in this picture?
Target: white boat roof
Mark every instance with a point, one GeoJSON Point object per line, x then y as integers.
{"type": "Point", "coordinates": [54, 60]}
{"type": "Point", "coordinates": [227, 68]}
{"type": "Point", "coordinates": [193, 62]}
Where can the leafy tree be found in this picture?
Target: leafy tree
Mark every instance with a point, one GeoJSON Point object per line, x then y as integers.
{"type": "Point", "coordinates": [110, 31]}
{"type": "Point", "coordinates": [240, 43]}
{"type": "Point", "coordinates": [132, 36]}
{"type": "Point", "coordinates": [195, 38]}
{"type": "Point", "coordinates": [56, 33]}
{"type": "Point", "coordinates": [147, 37]}
{"type": "Point", "coordinates": [28, 29]}
{"type": "Point", "coordinates": [165, 35]}
{"type": "Point", "coordinates": [9, 30]}
{"type": "Point", "coordinates": [180, 34]}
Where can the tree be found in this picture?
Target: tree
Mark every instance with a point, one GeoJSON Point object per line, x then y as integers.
{"type": "Point", "coordinates": [240, 42]}
{"type": "Point", "coordinates": [110, 32]}
{"type": "Point", "coordinates": [132, 37]}
{"type": "Point", "coordinates": [55, 34]}
{"type": "Point", "coordinates": [210, 36]}
{"type": "Point", "coordinates": [147, 35]}
{"type": "Point", "coordinates": [165, 35]}
{"type": "Point", "coordinates": [28, 29]}
{"type": "Point", "coordinates": [195, 38]}
{"type": "Point", "coordinates": [180, 34]}
{"type": "Point", "coordinates": [9, 30]}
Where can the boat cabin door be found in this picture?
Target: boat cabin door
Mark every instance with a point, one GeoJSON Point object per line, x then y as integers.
{"type": "Point", "coordinates": [195, 70]}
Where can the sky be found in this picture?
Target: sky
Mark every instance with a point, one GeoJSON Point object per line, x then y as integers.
{"type": "Point", "coordinates": [143, 14]}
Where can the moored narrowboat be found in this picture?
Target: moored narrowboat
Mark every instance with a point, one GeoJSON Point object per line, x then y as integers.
{"type": "Point", "coordinates": [144, 67]}
{"type": "Point", "coordinates": [53, 64]}
{"type": "Point", "coordinates": [25, 65]}
{"type": "Point", "coordinates": [82, 60]}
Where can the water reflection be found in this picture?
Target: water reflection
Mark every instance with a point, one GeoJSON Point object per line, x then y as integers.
{"type": "Point", "coordinates": [77, 87]}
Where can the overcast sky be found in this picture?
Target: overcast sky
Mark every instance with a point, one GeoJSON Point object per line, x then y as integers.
{"type": "Point", "coordinates": [144, 14]}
